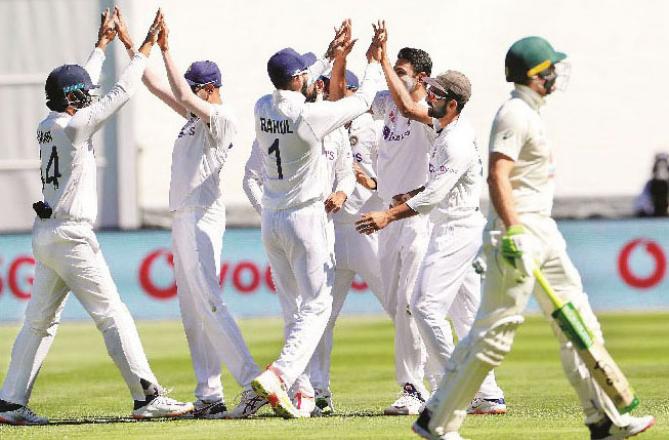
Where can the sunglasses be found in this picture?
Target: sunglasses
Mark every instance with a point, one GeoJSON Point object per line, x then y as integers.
{"type": "Point", "coordinates": [436, 93]}
{"type": "Point", "coordinates": [197, 87]}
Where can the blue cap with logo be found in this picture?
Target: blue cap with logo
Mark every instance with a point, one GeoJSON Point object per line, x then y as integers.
{"type": "Point", "coordinates": [351, 79]}
{"type": "Point", "coordinates": [287, 63]}
{"type": "Point", "coordinates": [203, 72]}
{"type": "Point", "coordinates": [65, 79]}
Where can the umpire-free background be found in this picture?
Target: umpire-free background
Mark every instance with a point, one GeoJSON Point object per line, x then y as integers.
{"type": "Point", "coordinates": [605, 128]}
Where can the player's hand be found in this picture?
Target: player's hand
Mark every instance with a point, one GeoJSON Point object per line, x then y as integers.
{"type": "Point", "coordinates": [335, 202]}
{"type": "Point", "coordinates": [398, 199]}
{"type": "Point", "coordinates": [517, 248]}
{"type": "Point", "coordinates": [341, 39]}
{"type": "Point", "coordinates": [375, 50]}
{"type": "Point", "coordinates": [362, 178]}
{"type": "Point", "coordinates": [122, 28]}
{"type": "Point", "coordinates": [163, 40]}
{"type": "Point", "coordinates": [372, 221]}
{"type": "Point", "coordinates": [152, 34]}
{"type": "Point", "coordinates": [107, 30]}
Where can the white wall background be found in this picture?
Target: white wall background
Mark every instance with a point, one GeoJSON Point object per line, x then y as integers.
{"type": "Point", "coordinates": [605, 128]}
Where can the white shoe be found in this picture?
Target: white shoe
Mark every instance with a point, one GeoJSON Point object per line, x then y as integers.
{"type": "Point", "coordinates": [22, 416]}
{"type": "Point", "coordinates": [324, 401]}
{"type": "Point", "coordinates": [162, 406]}
{"type": "Point", "coordinates": [306, 405]}
{"type": "Point", "coordinates": [270, 386]}
{"type": "Point", "coordinates": [410, 402]}
{"type": "Point", "coordinates": [249, 404]}
{"type": "Point", "coordinates": [209, 409]}
{"type": "Point", "coordinates": [487, 406]}
{"type": "Point", "coordinates": [606, 430]}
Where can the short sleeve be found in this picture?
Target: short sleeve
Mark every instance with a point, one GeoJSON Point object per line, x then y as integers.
{"type": "Point", "coordinates": [509, 132]}
{"type": "Point", "coordinates": [222, 126]}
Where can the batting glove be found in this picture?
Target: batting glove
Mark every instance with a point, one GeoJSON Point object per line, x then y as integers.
{"type": "Point", "coordinates": [517, 250]}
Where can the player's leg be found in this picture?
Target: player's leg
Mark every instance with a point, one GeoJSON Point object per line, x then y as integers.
{"type": "Point", "coordinates": [600, 412]}
{"type": "Point", "coordinates": [503, 301]}
{"type": "Point", "coordinates": [85, 271]}
{"type": "Point", "coordinates": [31, 346]}
{"type": "Point", "coordinates": [490, 398]}
{"type": "Point", "coordinates": [401, 249]}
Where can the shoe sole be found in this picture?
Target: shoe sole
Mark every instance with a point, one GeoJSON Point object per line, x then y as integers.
{"type": "Point", "coordinates": [648, 426]}
{"type": "Point", "coordinates": [273, 400]}
{"type": "Point", "coordinates": [4, 421]}
{"type": "Point", "coordinates": [496, 412]}
{"type": "Point", "coordinates": [170, 415]}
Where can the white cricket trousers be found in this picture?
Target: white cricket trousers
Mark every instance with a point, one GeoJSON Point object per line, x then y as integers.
{"type": "Point", "coordinates": [355, 253]}
{"type": "Point", "coordinates": [503, 303]}
{"type": "Point", "coordinates": [402, 246]}
{"type": "Point", "coordinates": [301, 256]}
{"type": "Point", "coordinates": [69, 259]}
{"type": "Point", "coordinates": [448, 286]}
{"type": "Point", "coordinates": [212, 333]}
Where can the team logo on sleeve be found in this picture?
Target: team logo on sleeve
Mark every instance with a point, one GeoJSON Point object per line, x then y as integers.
{"type": "Point", "coordinates": [353, 140]}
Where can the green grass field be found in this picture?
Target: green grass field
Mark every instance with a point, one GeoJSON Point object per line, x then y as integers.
{"type": "Point", "coordinates": [79, 380]}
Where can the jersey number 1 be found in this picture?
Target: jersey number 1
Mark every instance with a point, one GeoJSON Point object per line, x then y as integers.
{"type": "Point", "coordinates": [53, 161]}
{"type": "Point", "coordinates": [275, 148]}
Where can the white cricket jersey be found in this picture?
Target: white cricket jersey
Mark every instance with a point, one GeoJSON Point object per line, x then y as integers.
{"type": "Point", "coordinates": [456, 175]}
{"type": "Point", "coordinates": [518, 132]}
{"type": "Point", "coordinates": [199, 153]}
{"type": "Point", "coordinates": [252, 181]}
{"type": "Point", "coordinates": [289, 133]}
{"type": "Point", "coordinates": [339, 162]}
{"type": "Point", "coordinates": [363, 138]}
{"type": "Point", "coordinates": [403, 149]}
{"type": "Point", "coordinates": [68, 168]}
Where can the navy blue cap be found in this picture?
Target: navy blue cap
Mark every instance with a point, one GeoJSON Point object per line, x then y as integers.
{"type": "Point", "coordinates": [351, 79]}
{"type": "Point", "coordinates": [309, 58]}
{"type": "Point", "coordinates": [203, 72]}
{"type": "Point", "coordinates": [65, 79]}
{"type": "Point", "coordinates": [285, 64]}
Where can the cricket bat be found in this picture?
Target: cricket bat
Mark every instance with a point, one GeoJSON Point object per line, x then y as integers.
{"type": "Point", "coordinates": [603, 368]}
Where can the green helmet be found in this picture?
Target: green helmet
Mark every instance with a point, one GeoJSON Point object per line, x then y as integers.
{"type": "Point", "coordinates": [529, 56]}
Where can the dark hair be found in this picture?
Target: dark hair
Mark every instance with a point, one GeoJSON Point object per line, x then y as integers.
{"type": "Point", "coordinates": [57, 104]}
{"type": "Point", "coordinates": [418, 58]}
{"type": "Point", "coordinates": [281, 83]}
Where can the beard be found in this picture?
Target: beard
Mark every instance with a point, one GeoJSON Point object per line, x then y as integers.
{"type": "Point", "coordinates": [437, 112]}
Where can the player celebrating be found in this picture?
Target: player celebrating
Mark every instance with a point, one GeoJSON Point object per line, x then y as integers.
{"type": "Point", "coordinates": [200, 151]}
{"type": "Point", "coordinates": [67, 252]}
{"type": "Point", "coordinates": [402, 166]}
{"type": "Point", "coordinates": [447, 284]}
{"type": "Point", "coordinates": [289, 133]}
{"type": "Point", "coordinates": [521, 234]}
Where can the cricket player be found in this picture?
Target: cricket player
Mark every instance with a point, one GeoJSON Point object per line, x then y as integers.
{"type": "Point", "coordinates": [447, 284]}
{"type": "Point", "coordinates": [520, 233]}
{"type": "Point", "coordinates": [289, 133]}
{"type": "Point", "coordinates": [199, 154]}
{"type": "Point", "coordinates": [68, 255]}
{"type": "Point", "coordinates": [354, 254]}
{"type": "Point", "coordinates": [402, 166]}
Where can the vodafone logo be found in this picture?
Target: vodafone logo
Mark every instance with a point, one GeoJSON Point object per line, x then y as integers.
{"type": "Point", "coordinates": [659, 262]}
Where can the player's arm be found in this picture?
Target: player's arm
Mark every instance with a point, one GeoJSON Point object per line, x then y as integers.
{"type": "Point", "coordinates": [499, 185]}
{"type": "Point", "coordinates": [88, 120]}
{"type": "Point", "coordinates": [106, 34]}
{"type": "Point", "coordinates": [373, 221]}
{"type": "Point", "coordinates": [150, 79]}
{"type": "Point", "coordinates": [343, 176]}
{"type": "Point", "coordinates": [363, 179]}
{"type": "Point", "coordinates": [252, 181]}
{"type": "Point", "coordinates": [326, 116]}
{"type": "Point", "coordinates": [337, 86]}
{"type": "Point", "coordinates": [182, 92]}
{"type": "Point", "coordinates": [405, 104]}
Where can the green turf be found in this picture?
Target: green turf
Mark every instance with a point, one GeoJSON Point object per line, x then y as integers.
{"type": "Point", "coordinates": [79, 380]}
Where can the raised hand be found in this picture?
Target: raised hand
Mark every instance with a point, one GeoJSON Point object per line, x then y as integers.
{"type": "Point", "coordinates": [152, 34]}
{"type": "Point", "coordinates": [163, 41]}
{"type": "Point", "coordinates": [341, 39]}
{"type": "Point", "coordinates": [107, 30]}
{"type": "Point", "coordinates": [122, 28]}
{"type": "Point", "coordinates": [375, 50]}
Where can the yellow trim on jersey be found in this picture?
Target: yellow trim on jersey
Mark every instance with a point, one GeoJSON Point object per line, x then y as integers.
{"type": "Point", "coordinates": [538, 68]}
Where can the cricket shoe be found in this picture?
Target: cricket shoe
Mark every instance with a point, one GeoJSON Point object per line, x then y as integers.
{"type": "Point", "coordinates": [606, 430]}
{"type": "Point", "coordinates": [209, 409]}
{"type": "Point", "coordinates": [421, 427]}
{"type": "Point", "coordinates": [410, 402]}
{"type": "Point", "coordinates": [271, 387]}
{"type": "Point", "coordinates": [15, 414]}
{"type": "Point", "coordinates": [249, 404]}
{"type": "Point", "coordinates": [159, 405]}
{"type": "Point", "coordinates": [480, 406]}
{"type": "Point", "coordinates": [324, 401]}
{"type": "Point", "coordinates": [306, 405]}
